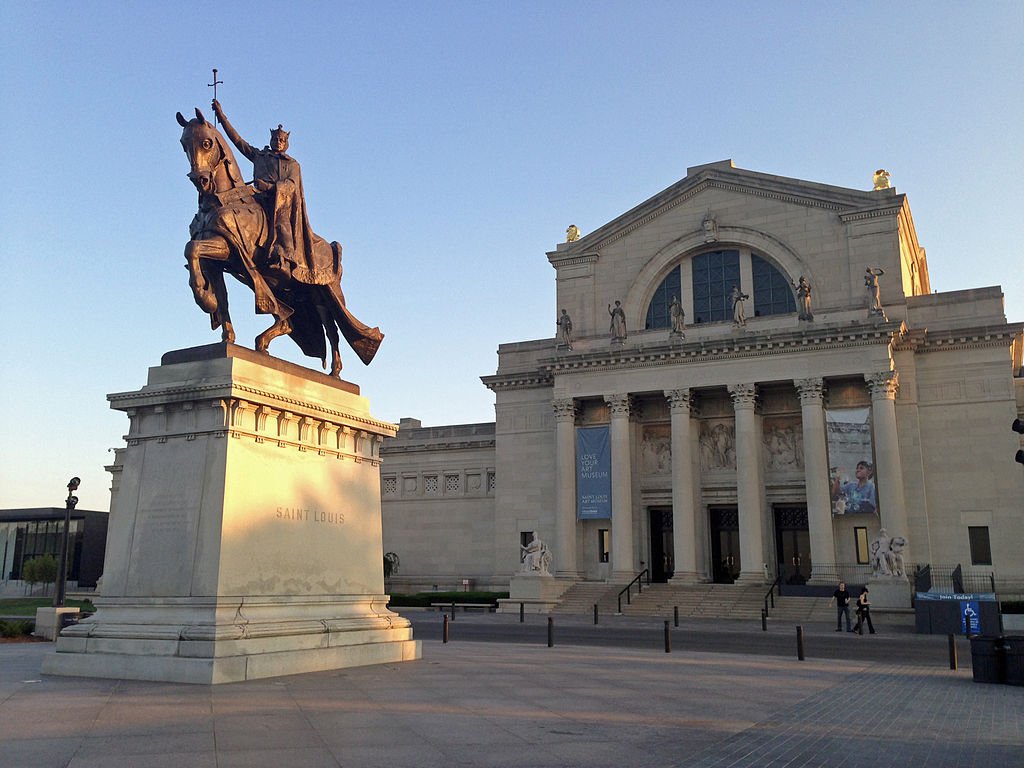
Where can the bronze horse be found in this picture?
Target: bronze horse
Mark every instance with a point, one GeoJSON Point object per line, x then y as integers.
{"type": "Point", "coordinates": [230, 234]}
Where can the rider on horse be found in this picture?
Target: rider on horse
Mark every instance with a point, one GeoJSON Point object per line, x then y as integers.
{"type": "Point", "coordinates": [293, 250]}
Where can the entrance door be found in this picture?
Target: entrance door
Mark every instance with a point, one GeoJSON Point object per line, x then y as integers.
{"type": "Point", "coordinates": [725, 544]}
{"type": "Point", "coordinates": [793, 544]}
{"type": "Point", "coordinates": [662, 551]}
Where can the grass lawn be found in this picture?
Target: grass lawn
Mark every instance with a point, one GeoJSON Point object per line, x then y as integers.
{"type": "Point", "coordinates": [26, 606]}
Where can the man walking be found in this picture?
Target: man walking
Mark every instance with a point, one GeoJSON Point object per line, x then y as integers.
{"type": "Point", "coordinates": [842, 600]}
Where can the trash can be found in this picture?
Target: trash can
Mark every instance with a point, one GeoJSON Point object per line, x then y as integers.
{"type": "Point", "coordinates": [987, 660]}
{"type": "Point", "coordinates": [1013, 656]}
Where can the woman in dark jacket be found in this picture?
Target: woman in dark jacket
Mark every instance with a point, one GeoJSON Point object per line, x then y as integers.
{"type": "Point", "coordinates": [863, 612]}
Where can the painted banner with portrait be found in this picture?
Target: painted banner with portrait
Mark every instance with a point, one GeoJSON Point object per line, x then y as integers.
{"type": "Point", "coordinates": [593, 473]}
{"type": "Point", "coordinates": [851, 461]}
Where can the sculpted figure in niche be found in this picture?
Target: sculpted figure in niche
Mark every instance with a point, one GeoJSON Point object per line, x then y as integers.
{"type": "Point", "coordinates": [717, 447]}
{"type": "Point", "coordinates": [780, 445]}
{"type": "Point", "coordinates": [881, 563]}
{"type": "Point", "coordinates": [536, 557]}
{"type": "Point", "coordinates": [710, 227]}
{"type": "Point", "coordinates": [739, 316]}
{"type": "Point", "coordinates": [871, 275]}
{"type": "Point", "coordinates": [656, 452]}
{"type": "Point", "coordinates": [896, 563]}
{"type": "Point", "coordinates": [564, 323]}
{"type": "Point", "coordinates": [678, 317]}
{"type": "Point", "coordinates": [803, 295]}
{"type": "Point", "coordinates": [618, 323]}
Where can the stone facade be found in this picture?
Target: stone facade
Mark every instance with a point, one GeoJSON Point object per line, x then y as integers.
{"type": "Point", "coordinates": [720, 462]}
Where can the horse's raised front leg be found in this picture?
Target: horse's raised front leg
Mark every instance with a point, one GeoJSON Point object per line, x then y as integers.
{"type": "Point", "coordinates": [195, 250]}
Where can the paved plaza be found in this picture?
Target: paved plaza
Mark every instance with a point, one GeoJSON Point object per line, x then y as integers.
{"type": "Point", "coordinates": [525, 705]}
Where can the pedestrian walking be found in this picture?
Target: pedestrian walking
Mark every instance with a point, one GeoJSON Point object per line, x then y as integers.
{"type": "Point", "coordinates": [841, 597]}
{"type": "Point", "coordinates": [864, 612]}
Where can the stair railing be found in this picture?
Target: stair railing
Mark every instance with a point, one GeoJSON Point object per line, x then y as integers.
{"type": "Point", "coordinates": [770, 595]}
{"type": "Point", "coordinates": [646, 572]}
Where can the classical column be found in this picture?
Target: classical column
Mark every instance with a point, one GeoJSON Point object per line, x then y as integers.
{"type": "Point", "coordinates": [622, 489]}
{"type": "Point", "coordinates": [684, 519]}
{"type": "Point", "coordinates": [819, 502]}
{"type": "Point", "coordinates": [749, 485]}
{"type": "Point", "coordinates": [565, 488]}
{"type": "Point", "coordinates": [888, 467]}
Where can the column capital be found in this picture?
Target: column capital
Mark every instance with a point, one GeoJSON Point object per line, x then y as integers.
{"type": "Point", "coordinates": [744, 396]}
{"type": "Point", "coordinates": [620, 404]}
{"type": "Point", "coordinates": [811, 391]}
{"type": "Point", "coordinates": [883, 385]}
{"type": "Point", "coordinates": [679, 400]}
{"type": "Point", "coordinates": [565, 410]}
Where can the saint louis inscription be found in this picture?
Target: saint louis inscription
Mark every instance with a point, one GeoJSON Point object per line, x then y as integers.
{"type": "Point", "coordinates": [310, 515]}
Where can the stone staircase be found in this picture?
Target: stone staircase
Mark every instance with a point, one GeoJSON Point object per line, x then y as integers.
{"type": "Point", "coordinates": [581, 597]}
{"type": "Point", "coordinates": [709, 601]}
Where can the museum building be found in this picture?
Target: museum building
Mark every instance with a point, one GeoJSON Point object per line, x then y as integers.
{"type": "Point", "coordinates": [754, 379]}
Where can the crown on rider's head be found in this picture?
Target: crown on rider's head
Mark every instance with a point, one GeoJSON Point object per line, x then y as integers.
{"type": "Point", "coordinates": [279, 131]}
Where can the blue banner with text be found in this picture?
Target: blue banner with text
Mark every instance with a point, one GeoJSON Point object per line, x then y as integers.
{"type": "Point", "coordinates": [593, 474]}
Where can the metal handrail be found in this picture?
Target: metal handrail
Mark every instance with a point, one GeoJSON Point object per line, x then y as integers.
{"type": "Point", "coordinates": [770, 595]}
{"type": "Point", "coordinates": [639, 586]}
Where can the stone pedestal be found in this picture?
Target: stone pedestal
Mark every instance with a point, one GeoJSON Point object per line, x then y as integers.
{"type": "Point", "coordinates": [888, 592]}
{"type": "Point", "coordinates": [245, 533]}
{"type": "Point", "coordinates": [538, 592]}
{"type": "Point", "coordinates": [49, 619]}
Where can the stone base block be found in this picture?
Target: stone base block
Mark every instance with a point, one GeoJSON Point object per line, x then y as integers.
{"type": "Point", "coordinates": [48, 620]}
{"type": "Point", "coordinates": [139, 660]}
{"type": "Point", "coordinates": [889, 593]}
{"type": "Point", "coordinates": [245, 532]}
{"type": "Point", "coordinates": [539, 593]}
{"type": "Point", "coordinates": [196, 640]}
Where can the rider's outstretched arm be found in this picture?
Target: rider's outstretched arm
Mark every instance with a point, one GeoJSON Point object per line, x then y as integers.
{"type": "Point", "coordinates": [243, 146]}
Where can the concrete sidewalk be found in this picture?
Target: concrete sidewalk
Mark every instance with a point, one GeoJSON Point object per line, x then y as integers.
{"type": "Point", "coordinates": [527, 706]}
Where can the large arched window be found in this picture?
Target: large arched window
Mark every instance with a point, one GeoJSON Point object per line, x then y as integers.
{"type": "Point", "coordinates": [657, 310]}
{"type": "Point", "coordinates": [773, 294]}
{"type": "Point", "coordinates": [713, 275]}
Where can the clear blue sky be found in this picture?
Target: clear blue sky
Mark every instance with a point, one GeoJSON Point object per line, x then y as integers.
{"type": "Point", "coordinates": [447, 145]}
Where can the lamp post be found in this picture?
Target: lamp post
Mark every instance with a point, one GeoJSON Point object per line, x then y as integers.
{"type": "Point", "coordinates": [62, 565]}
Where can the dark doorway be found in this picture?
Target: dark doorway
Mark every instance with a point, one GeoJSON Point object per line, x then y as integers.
{"type": "Point", "coordinates": [725, 544]}
{"type": "Point", "coordinates": [662, 550]}
{"type": "Point", "coordinates": [793, 544]}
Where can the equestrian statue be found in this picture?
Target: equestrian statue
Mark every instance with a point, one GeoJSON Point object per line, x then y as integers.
{"type": "Point", "coordinates": [260, 234]}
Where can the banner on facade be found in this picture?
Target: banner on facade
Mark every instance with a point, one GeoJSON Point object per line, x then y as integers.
{"type": "Point", "coordinates": [851, 461]}
{"type": "Point", "coordinates": [593, 473]}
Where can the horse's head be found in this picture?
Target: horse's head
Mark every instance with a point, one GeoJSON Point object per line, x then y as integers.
{"type": "Point", "coordinates": [207, 153]}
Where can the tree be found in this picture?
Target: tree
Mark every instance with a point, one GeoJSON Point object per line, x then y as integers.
{"type": "Point", "coordinates": [39, 570]}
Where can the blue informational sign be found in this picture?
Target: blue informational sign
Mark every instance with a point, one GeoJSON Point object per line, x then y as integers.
{"type": "Point", "coordinates": [970, 617]}
{"type": "Point", "coordinates": [593, 473]}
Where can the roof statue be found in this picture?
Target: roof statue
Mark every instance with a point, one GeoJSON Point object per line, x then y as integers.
{"type": "Point", "coordinates": [881, 179]}
{"type": "Point", "coordinates": [260, 234]}
{"type": "Point", "coordinates": [572, 233]}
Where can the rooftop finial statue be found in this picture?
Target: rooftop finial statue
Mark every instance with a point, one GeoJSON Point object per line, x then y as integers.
{"type": "Point", "coordinates": [260, 234]}
{"type": "Point", "coordinates": [881, 179]}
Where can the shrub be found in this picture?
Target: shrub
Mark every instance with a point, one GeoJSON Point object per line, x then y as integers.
{"type": "Point", "coordinates": [16, 628]}
{"type": "Point", "coordinates": [424, 599]}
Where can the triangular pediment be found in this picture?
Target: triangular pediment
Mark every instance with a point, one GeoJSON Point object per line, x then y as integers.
{"type": "Point", "coordinates": [724, 175]}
